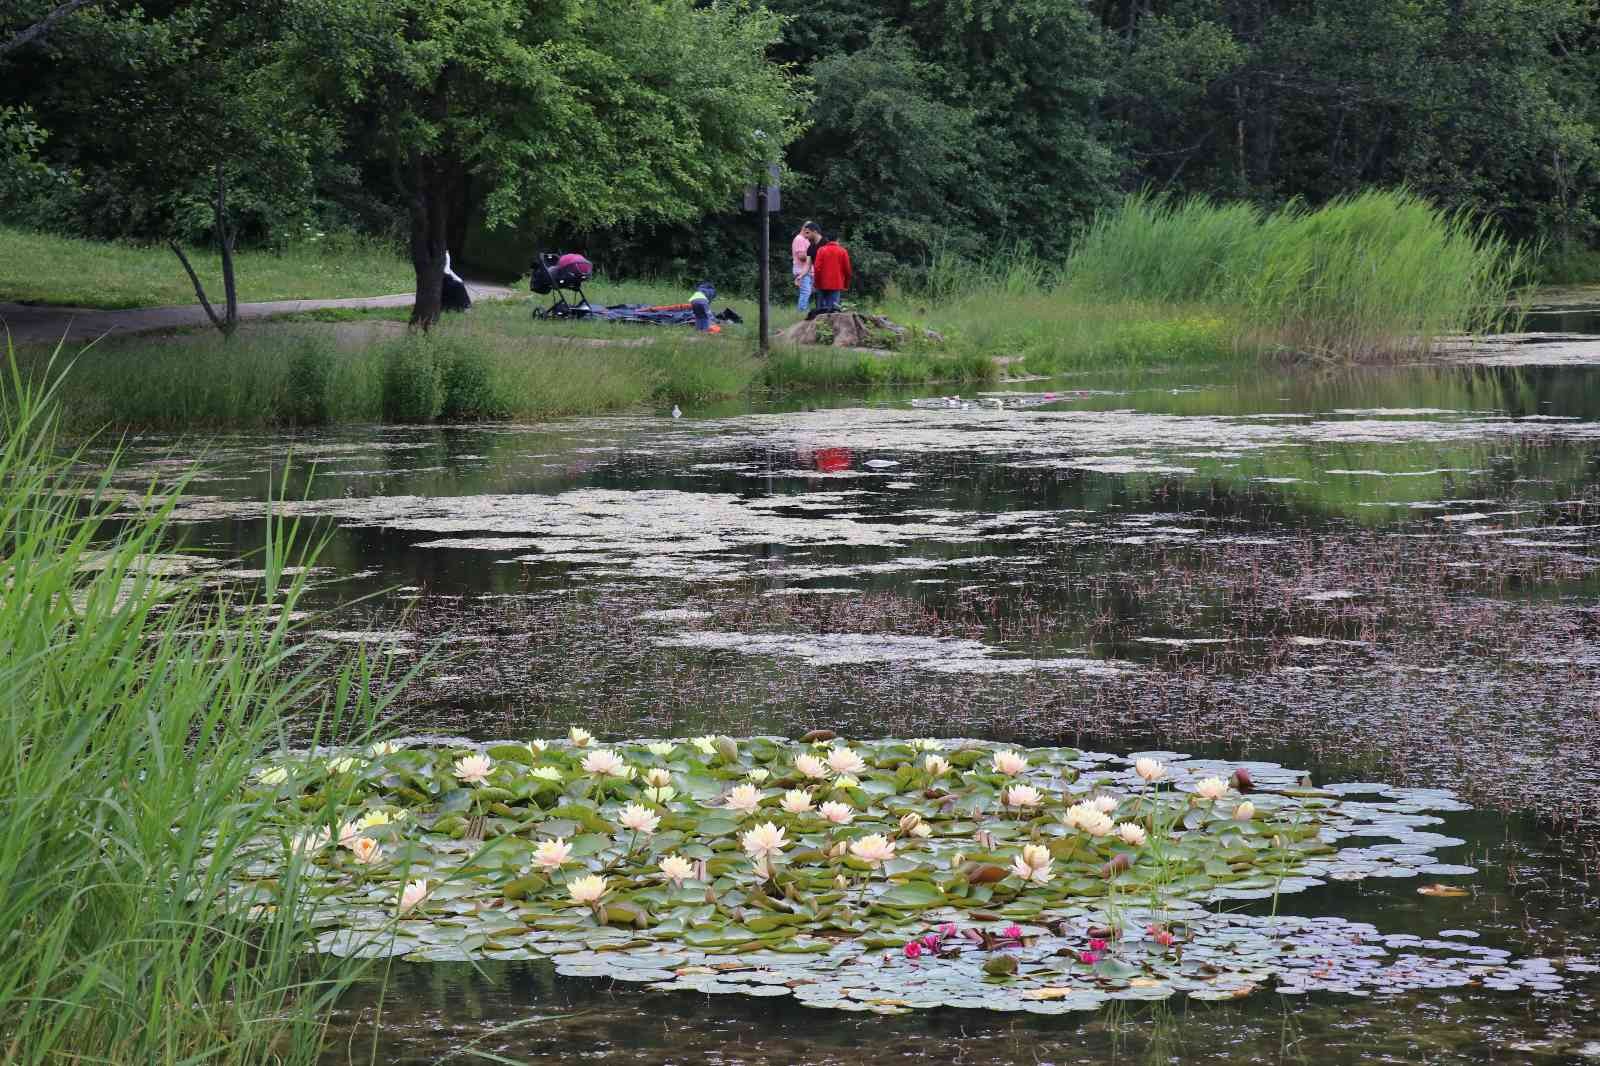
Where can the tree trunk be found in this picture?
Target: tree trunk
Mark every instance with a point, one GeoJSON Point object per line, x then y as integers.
{"type": "Point", "coordinates": [228, 321]}
{"type": "Point", "coordinates": [429, 219]}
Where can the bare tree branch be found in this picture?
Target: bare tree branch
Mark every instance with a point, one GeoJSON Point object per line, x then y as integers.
{"type": "Point", "coordinates": [43, 26]}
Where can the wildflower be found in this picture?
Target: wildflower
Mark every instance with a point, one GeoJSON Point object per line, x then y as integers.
{"type": "Point", "coordinates": [657, 777]}
{"type": "Point", "coordinates": [1151, 770]}
{"type": "Point", "coordinates": [603, 762]}
{"type": "Point", "coordinates": [383, 748]}
{"type": "Point", "coordinates": [660, 795]}
{"type": "Point", "coordinates": [639, 819]}
{"type": "Point", "coordinates": [845, 761]}
{"type": "Point", "coordinates": [837, 813]}
{"type": "Point", "coordinates": [811, 766]}
{"type": "Point", "coordinates": [677, 869]}
{"type": "Point", "coordinates": [872, 849]}
{"type": "Point", "coordinates": [937, 766]}
{"type": "Point", "coordinates": [413, 893]}
{"type": "Point", "coordinates": [547, 773]}
{"type": "Point", "coordinates": [473, 769]}
{"type": "Point", "coordinates": [1023, 796]}
{"type": "Point", "coordinates": [552, 854]}
{"type": "Point", "coordinates": [1211, 788]}
{"type": "Point", "coordinates": [342, 765]}
{"type": "Point", "coordinates": [367, 851]}
{"type": "Point", "coordinates": [587, 889]}
{"type": "Point", "coordinates": [764, 840]}
{"type": "Point", "coordinates": [743, 798]}
{"type": "Point", "coordinates": [581, 738]}
{"type": "Point", "coordinates": [909, 822]}
{"type": "Point", "coordinates": [1245, 811]}
{"type": "Point", "coordinates": [1105, 804]}
{"type": "Point", "coordinates": [796, 801]}
{"type": "Point", "coordinates": [913, 949]}
{"type": "Point", "coordinates": [661, 748]}
{"type": "Point", "coordinates": [1010, 763]}
{"type": "Point", "coordinates": [759, 774]}
{"type": "Point", "coordinates": [1131, 834]}
{"type": "Point", "coordinates": [927, 744]}
{"type": "Point", "coordinates": [272, 776]}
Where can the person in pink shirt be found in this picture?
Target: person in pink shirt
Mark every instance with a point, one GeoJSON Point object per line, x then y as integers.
{"type": "Point", "coordinates": [801, 250]}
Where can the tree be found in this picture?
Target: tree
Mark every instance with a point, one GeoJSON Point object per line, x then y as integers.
{"type": "Point", "coordinates": [575, 112]}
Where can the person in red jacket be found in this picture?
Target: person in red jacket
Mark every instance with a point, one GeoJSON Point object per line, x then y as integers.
{"type": "Point", "coordinates": [831, 270]}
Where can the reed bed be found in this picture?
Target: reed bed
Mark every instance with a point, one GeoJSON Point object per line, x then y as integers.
{"type": "Point", "coordinates": [138, 702]}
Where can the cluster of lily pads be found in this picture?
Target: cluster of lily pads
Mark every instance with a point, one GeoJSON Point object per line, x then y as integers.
{"type": "Point", "coordinates": [939, 856]}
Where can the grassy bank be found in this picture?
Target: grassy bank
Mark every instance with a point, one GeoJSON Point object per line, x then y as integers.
{"type": "Point", "coordinates": [136, 708]}
{"type": "Point", "coordinates": [49, 269]}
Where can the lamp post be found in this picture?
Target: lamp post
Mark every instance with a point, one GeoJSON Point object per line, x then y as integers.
{"type": "Point", "coordinates": [764, 199]}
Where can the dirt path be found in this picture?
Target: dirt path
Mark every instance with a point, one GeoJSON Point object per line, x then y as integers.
{"type": "Point", "coordinates": [32, 324]}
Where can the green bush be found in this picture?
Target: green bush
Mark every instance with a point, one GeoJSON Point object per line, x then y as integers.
{"type": "Point", "coordinates": [468, 384]}
{"type": "Point", "coordinates": [413, 381]}
{"type": "Point", "coordinates": [305, 401]}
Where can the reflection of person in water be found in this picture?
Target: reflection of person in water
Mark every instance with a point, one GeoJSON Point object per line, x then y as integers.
{"type": "Point", "coordinates": [826, 460]}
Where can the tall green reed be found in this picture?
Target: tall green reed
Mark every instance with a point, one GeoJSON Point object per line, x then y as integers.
{"type": "Point", "coordinates": [137, 703]}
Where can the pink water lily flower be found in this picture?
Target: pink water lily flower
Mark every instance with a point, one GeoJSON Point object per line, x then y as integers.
{"type": "Point", "coordinates": [931, 941]}
{"type": "Point", "coordinates": [1097, 945]}
{"type": "Point", "coordinates": [913, 949]}
{"type": "Point", "coordinates": [1088, 958]}
{"type": "Point", "coordinates": [1014, 932]}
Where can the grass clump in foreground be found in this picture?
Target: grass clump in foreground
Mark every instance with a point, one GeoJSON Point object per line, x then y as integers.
{"type": "Point", "coordinates": [136, 708]}
{"type": "Point", "coordinates": [72, 272]}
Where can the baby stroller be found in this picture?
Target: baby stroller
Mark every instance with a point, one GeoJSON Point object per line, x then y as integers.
{"type": "Point", "coordinates": [560, 275]}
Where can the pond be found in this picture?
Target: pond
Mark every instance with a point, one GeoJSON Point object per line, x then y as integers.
{"type": "Point", "coordinates": [1385, 575]}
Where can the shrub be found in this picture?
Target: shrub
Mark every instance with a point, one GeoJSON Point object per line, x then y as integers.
{"type": "Point", "coordinates": [305, 399]}
{"type": "Point", "coordinates": [413, 382]}
{"type": "Point", "coordinates": [468, 385]}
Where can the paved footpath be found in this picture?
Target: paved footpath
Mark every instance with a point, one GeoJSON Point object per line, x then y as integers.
{"type": "Point", "coordinates": [32, 324]}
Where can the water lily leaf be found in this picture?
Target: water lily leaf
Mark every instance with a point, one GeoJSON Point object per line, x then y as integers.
{"type": "Point", "coordinates": [912, 894]}
{"type": "Point", "coordinates": [1001, 966]}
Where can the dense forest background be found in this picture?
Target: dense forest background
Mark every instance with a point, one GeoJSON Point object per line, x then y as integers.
{"type": "Point", "coordinates": [918, 129]}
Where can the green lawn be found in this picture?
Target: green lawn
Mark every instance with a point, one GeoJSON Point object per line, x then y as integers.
{"type": "Point", "coordinates": [45, 268]}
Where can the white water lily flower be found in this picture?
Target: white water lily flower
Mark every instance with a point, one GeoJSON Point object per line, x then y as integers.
{"type": "Point", "coordinates": [909, 822]}
{"type": "Point", "coordinates": [677, 869]}
{"type": "Point", "coordinates": [1033, 865]}
{"type": "Point", "coordinates": [342, 765]}
{"type": "Point", "coordinates": [581, 738]}
{"type": "Point", "coordinates": [603, 762]}
{"type": "Point", "coordinates": [639, 819]}
{"type": "Point", "coordinates": [413, 893]}
{"type": "Point", "coordinates": [309, 841]}
{"type": "Point", "coordinates": [538, 747]}
{"type": "Point", "coordinates": [587, 889]}
{"type": "Point", "coordinates": [796, 801]}
{"type": "Point", "coordinates": [1035, 854]}
{"type": "Point", "coordinates": [759, 774]}
{"type": "Point", "coordinates": [1245, 811]}
{"type": "Point", "coordinates": [348, 834]}
{"type": "Point", "coordinates": [661, 795]}
{"type": "Point", "coordinates": [845, 761]}
{"type": "Point", "coordinates": [1211, 788]}
{"type": "Point", "coordinates": [837, 813]}
{"type": "Point", "coordinates": [743, 798]}
{"type": "Point", "coordinates": [661, 748]}
{"type": "Point", "coordinates": [707, 745]}
{"type": "Point", "coordinates": [927, 744]}
{"type": "Point", "coordinates": [1075, 814]}
{"type": "Point", "coordinates": [762, 866]}
{"type": "Point", "coordinates": [552, 854]}
{"type": "Point", "coordinates": [1021, 796]}
{"type": "Point", "coordinates": [1010, 763]}
{"type": "Point", "coordinates": [373, 819]}
{"type": "Point", "coordinates": [837, 851]}
{"type": "Point", "coordinates": [846, 781]}
{"type": "Point", "coordinates": [811, 766]}
{"type": "Point", "coordinates": [765, 839]}
{"type": "Point", "coordinates": [657, 777]}
{"type": "Point", "coordinates": [936, 766]}
{"type": "Point", "coordinates": [272, 776]}
{"type": "Point", "coordinates": [384, 748]}
{"type": "Point", "coordinates": [923, 831]}
{"type": "Point", "coordinates": [1151, 770]}
{"type": "Point", "coordinates": [1098, 825]}
{"type": "Point", "coordinates": [1105, 804]}
{"type": "Point", "coordinates": [547, 773]}
{"type": "Point", "coordinates": [873, 849]}
{"type": "Point", "coordinates": [1131, 834]}
{"type": "Point", "coordinates": [473, 769]}
{"type": "Point", "coordinates": [367, 851]}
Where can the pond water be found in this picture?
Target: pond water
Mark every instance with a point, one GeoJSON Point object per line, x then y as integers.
{"type": "Point", "coordinates": [1381, 575]}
